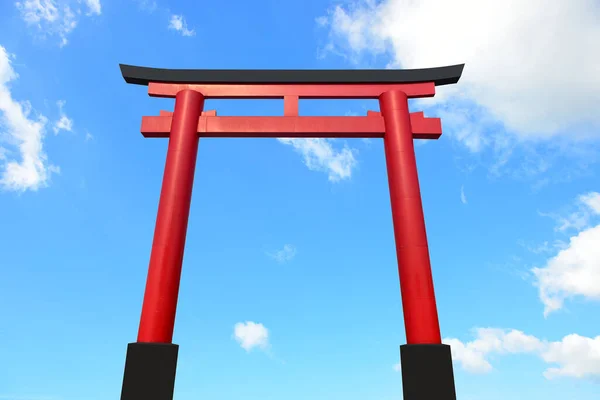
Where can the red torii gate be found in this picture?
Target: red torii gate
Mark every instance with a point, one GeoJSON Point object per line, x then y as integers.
{"type": "Point", "coordinates": [426, 363]}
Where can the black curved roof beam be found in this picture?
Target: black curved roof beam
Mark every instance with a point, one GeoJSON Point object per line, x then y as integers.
{"type": "Point", "coordinates": [144, 75]}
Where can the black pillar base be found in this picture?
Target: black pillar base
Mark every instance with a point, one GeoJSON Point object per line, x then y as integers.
{"type": "Point", "coordinates": [149, 371]}
{"type": "Point", "coordinates": [427, 372]}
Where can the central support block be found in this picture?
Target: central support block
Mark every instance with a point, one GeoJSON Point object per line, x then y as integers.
{"type": "Point", "coordinates": [150, 371]}
{"type": "Point", "coordinates": [427, 372]}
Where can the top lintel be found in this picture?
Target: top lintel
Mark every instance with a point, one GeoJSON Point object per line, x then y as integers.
{"type": "Point", "coordinates": [145, 75]}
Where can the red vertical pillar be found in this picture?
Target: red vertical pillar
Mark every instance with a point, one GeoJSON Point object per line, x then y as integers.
{"type": "Point", "coordinates": [426, 363]}
{"type": "Point", "coordinates": [416, 282]}
{"type": "Point", "coordinates": [151, 362]}
{"type": "Point", "coordinates": [162, 285]}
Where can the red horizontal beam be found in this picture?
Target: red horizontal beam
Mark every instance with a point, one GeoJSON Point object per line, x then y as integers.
{"type": "Point", "coordinates": [293, 127]}
{"type": "Point", "coordinates": [303, 91]}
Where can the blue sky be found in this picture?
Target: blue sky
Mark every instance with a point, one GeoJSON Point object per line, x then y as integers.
{"type": "Point", "coordinates": [290, 286]}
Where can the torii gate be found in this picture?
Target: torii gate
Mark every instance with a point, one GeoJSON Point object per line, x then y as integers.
{"type": "Point", "coordinates": [151, 362]}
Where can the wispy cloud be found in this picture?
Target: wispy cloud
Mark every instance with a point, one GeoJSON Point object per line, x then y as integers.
{"type": "Point", "coordinates": [322, 21]}
{"type": "Point", "coordinates": [320, 155]}
{"type": "Point", "coordinates": [287, 253]}
{"type": "Point", "coordinates": [55, 17]}
{"type": "Point", "coordinates": [545, 247]}
{"type": "Point", "coordinates": [178, 23]}
{"type": "Point", "coordinates": [585, 208]}
{"type": "Point", "coordinates": [24, 164]}
{"type": "Point", "coordinates": [463, 197]}
{"type": "Point", "coordinates": [64, 123]}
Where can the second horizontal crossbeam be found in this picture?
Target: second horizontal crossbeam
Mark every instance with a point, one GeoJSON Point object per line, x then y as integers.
{"type": "Point", "coordinates": [371, 126]}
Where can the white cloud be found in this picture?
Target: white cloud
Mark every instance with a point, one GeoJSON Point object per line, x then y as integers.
{"type": "Point", "coordinates": [534, 82]}
{"type": "Point", "coordinates": [473, 355]}
{"type": "Point", "coordinates": [55, 17]}
{"type": "Point", "coordinates": [463, 197]}
{"type": "Point", "coordinates": [24, 165]}
{"type": "Point", "coordinates": [319, 155]}
{"type": "Point", "coordinates": [36, 11]}
{"type": "Point", "coordinates": [592, 201]}
{"type": "Point", "coordinates": [251, 335]}
{"type": "Point", "coordinates": [575, 270]}
{"type": "Point", "coordinates": [285, 254]}
{"type": "Point", "coordinates": [573, 356]}
{"type": "Point", "coordinates": [94, 6]}
{"type": "Point", "coordinates": [64, 123]}
{"type": "Point", "coordinates": [576, 356]}
{"type": "Point", "coordinates": [178, 23]}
